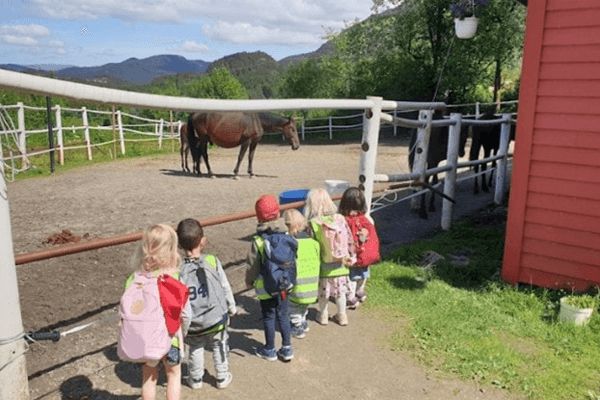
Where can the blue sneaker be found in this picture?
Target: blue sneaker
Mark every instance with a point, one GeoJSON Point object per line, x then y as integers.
{"type": "Point", "coordinates": [286, 353]}
{"type": "Point", "coordinates": [305, 326]}
{"type": "Point", "coordinates": [267, 354]}
{"type": "Point", "coordinates": [298, 331]}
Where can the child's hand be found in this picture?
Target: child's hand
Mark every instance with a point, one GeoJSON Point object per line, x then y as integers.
{"type": "Point", "coordinates": [347, 261]}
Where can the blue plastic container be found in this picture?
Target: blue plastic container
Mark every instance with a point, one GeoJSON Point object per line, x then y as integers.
{"type": "Point", "coordinates": [292, 196]}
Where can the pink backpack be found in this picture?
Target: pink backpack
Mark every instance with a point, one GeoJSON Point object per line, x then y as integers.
{"type": "Point", "coordinates": [143, 335]}
{"type": "Point", "coordinates": [334, 236]}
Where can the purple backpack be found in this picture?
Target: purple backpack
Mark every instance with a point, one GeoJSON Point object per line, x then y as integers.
{"type": "Point", "coordinates": [143, 335]}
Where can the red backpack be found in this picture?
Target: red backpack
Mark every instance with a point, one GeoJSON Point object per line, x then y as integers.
{"type": "Point", "coordinates": [366, 241]}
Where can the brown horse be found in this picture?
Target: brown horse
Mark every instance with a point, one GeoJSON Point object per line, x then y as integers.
{"type": "Point", "coordinates": [232, 129]}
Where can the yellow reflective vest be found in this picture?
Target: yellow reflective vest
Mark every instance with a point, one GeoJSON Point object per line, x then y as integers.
{"type": "Point", "coordinates": [308, 265]}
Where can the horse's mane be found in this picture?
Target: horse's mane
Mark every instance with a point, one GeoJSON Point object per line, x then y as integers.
{"type": "Point", "coordinates": [271, 120]}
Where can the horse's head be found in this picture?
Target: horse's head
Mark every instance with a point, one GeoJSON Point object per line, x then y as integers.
{"type": "Point", "coordinates": [291, 133]}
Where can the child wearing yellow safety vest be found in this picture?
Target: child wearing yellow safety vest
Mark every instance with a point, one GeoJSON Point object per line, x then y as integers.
{"type": "Point", "coordinates": [211, 305]}
{"type": "Point", "coordinates": [274, 307]}
{"type": "Point", "coordinates": [334, 282]}
{"type": "Point", "coordinates": [308, 263]}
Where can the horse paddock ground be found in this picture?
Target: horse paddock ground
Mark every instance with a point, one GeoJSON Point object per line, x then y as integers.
{"type": "Point", "coordinates": [126, 196]}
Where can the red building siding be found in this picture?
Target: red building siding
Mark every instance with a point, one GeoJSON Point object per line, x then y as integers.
{"type": "Point", "coordinates": [553, 229]}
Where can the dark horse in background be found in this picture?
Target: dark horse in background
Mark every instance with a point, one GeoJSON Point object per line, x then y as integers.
{"type": "Point", "coordinates": [232, 129]}
{"type": "Point", "coordinates": [438, 149]}
{"type": "Point", "coordinates": [488, 138]}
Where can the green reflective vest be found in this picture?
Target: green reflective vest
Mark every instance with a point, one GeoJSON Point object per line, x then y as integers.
{"type": "Point", "coordinates": [308, 263]}
{"type": "Point", "coordinates": [259, 282]}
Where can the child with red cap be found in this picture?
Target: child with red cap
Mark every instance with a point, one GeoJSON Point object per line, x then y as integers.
{"type": "Point", "coordinates": [274, 306]}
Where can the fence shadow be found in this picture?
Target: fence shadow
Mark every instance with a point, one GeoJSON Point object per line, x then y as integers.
{"type": "Point", "coordinates": [176, 172]}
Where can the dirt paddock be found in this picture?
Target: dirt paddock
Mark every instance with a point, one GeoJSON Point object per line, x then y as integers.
{"type": "Point", "coordinates": [126, 196]}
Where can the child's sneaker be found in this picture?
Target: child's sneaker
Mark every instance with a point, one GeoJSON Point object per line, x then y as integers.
{"type": "Point", "coordinates": [298, 331]}
{"type": "Point", "coordinates": [267, 354]}
{"type": "Point", "coordinates": [173, 356]}
{"type": "Point", "coordinates": [353, 303]}
{"type": "Point", "coordinates": [341, 319]}
{"type": "Point", "coordinates": [194, 383]}
{"type": "Point", "coordinates": [362, 296]}
{"type": "Point", "coordinates": [323, 318]}
{"type": "Point", "coordinates": [305, 326]}
{"type": "Point", "coordinates": [286, 353]}
{"type": "Point", "coordinates": [223, 383]}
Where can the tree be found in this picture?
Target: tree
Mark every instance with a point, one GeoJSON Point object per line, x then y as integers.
{"type": "Point", "coordinates": [218, 84]}
{"type": "Point", "coordinates": [452, 69]}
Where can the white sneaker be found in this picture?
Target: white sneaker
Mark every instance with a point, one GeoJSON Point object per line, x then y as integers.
{"type": "Point", "coordinates": [223, 383]}
{"type": "Point", "coordinates": [323, 318]}
{"type": "Point", "coordinates": [193, 383]}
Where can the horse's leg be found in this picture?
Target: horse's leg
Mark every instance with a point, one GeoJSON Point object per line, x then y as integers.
{"type": "Point", "coordinates": [253, 145]}
{"type": "Point", "coordinates": [476, 185]}
{"type": "Point", "coordinates": [204, 154]}
{"type": "Point", "coordinates": [434, 182]}
{"type": "Point", "coordinates": [491, 179]}
{"type": "Point", "coordinates": [243, 148]}
{"type": "Point", "coordinates": [484, 186]}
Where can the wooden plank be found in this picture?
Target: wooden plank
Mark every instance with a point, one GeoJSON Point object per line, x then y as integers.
{"type": "Point", "coordinates": [562, 267]}
{"type": "Point", "coordinates": [570, 105]}
{"type": "Point", "coordinates": [569, 88]}
{"type": "Point", "coordinates": [572, 36]}
{"type": "Point", "coordinates": [561, 251]}
{"type": "Point", "coordinates": [587, 240]}
{"type": "Point", "coordinates": [567, 71]}
{"type": "Point", "coordinates": [572, 5]}
{"type": "Point", "coordinates": [583, 123]}
{"type": "Point", "coordinates": [573, 172]}
{"type": "Point", "coordinates": [564, 187]}
{"type": "Point", "coordinates": [561, 219]}
{"type": "Point", "coordinates": [530, 77]}
{"type": "Point", "coordinates": [555, 137]}
{"type": "Point", "coordinates": [571, 53]}
{"type": "Point", "coordinates": [554, 281]}
{"type": "Point", "coordinates": [564, 203]}
{"type": "Point", "coordinates": [572, 18]}
{"type": "Point", "coordinates": [566, 155]}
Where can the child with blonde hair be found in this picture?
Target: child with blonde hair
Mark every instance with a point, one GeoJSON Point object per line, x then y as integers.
{"type": "Point", "coordinates": [157, 260]}
{"type": "Point", "coordinates": [322, 213]}
{"type": "Point", "coordinates": [308, 263]}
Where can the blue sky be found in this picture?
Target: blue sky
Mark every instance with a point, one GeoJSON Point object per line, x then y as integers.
{"type": "Point", "coordinates": [96, 32]}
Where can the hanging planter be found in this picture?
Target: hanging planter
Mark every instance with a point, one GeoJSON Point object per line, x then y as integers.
{"type": "Point", "coordinates": [577, 309]}
{"type": "Point", "coordinates": [466, 27]}
{"type": "Point", "coordinates": [465, 21]}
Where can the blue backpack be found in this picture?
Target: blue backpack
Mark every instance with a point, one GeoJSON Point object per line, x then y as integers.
{"type": "Point", "coordinates": [278, 266]}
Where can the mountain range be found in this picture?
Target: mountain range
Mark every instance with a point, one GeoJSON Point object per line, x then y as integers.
{"type": "Point", "coordinates": [143, 71]}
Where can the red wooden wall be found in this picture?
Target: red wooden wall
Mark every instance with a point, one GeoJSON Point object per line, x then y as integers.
{"type": "Point", "coordinates": [553, 228]}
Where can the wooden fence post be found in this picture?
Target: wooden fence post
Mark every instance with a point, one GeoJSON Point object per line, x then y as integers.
{"type": "Point", "coordinates": [59, 136]}
{"type": "Point", "coordinates": [368, 156]}
{"type": "Point", "coordinates": [501, 178]}
{"type": "Point", "coordinates": [13, 373]}
{"type": "Point", "coordinates": [394, 125]}
{"type": "Point", "coordinates": [422, 149]}
{"type": "Point", "coordinates": [121, 136]}
{"type": "Point", "coordinates": [22, 136]}
{"type": "Point", "coordinates": [330, 129]}
{"type": "Point", "coordinates": [303, 132]}
{"type": "Point", "coordinates": [86, 130]}
{"type": "Point", "coordinates": [450, 178]}
{"type": "Point", "coordinates": [160, 133]}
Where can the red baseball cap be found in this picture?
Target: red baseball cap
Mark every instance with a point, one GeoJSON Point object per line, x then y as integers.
{"type": "Point", "coordinates": [266, 208]}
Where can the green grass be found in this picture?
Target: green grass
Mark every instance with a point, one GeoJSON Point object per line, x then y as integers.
{"type": "Point", "coordinates": [462, 321]}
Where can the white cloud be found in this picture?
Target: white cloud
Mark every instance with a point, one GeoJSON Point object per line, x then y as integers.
{"type": "Point", "coordinates": [18, 40]}
{"type": "Point", "coordinates": [25, 30]}
{"type": "Point", "coordinates": [245, 33]}
{"type": "Point", "coordinates": [189, 47]}
{"type": "Point", "coordinates": [259, 22]}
